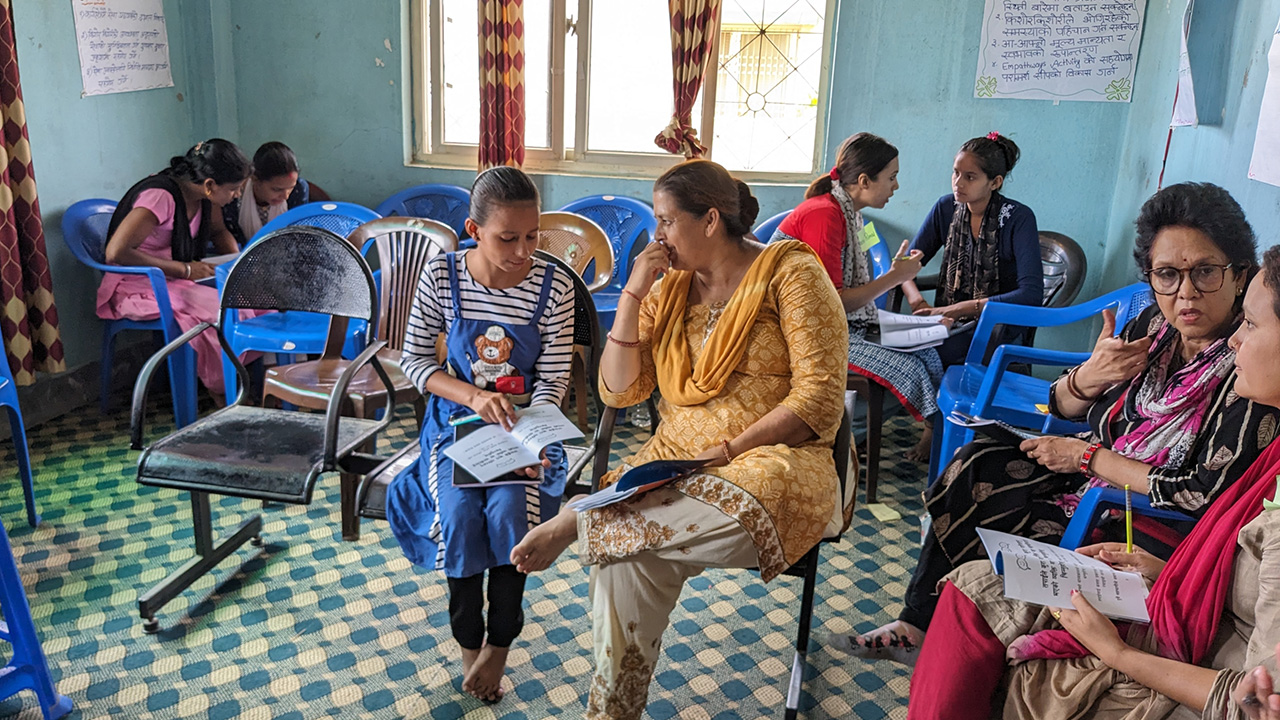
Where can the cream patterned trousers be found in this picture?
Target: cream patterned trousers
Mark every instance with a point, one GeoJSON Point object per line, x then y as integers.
{"type": "Point", "coordinates": [643, 550]}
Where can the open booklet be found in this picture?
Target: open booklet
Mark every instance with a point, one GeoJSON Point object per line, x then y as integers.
{"type": "Point", "coordinates": [994, 429]}
{"type": "Point", "coordinates": [639, 479]}
{"type": "Point", "coordinates": [489, 452]}
{"type": "Point", "coordinates": [912, 332]}
{"type": "Point", "coordinates": [1044, 574]}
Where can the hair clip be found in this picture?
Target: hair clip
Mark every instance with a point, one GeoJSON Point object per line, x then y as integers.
{"type": "Point", "coordinates": [993, 135]}
{"type": "Point", "coordinates": [835, 174]}
{"type": "Point", "coordinates": [199, 146]}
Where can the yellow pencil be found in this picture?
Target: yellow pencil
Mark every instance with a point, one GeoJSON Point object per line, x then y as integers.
{"type": "Point", "coordinates": [1128, 520]}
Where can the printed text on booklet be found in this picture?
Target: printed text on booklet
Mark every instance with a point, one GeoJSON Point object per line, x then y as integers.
{"type": "Point", "coordinates": [491, 451]}
{"type": "Point", "coordinates": [1044, 574]}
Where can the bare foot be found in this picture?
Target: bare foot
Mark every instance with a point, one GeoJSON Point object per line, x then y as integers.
{"type": "Point", "coordinates": [898, 641]}
{"type": "Point", "coordinates": [469, 658]}
{"type": "Point", "coordinates": [485, 676]}
{"type": "Point", "coordinates": [545, 542]}
{"type": "Point", "coordinates": [920, 453]}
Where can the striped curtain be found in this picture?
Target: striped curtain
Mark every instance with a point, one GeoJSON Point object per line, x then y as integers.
{"type": "Point", "coordinates": [501, 83]}
{"type": "Point", "coordinates": [693, 27]}
{"type": "Point", "coordinates": [29, 317]}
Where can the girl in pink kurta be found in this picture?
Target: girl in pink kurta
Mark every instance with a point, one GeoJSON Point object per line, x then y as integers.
{"type": "Point", "coordinates": [154, 226]}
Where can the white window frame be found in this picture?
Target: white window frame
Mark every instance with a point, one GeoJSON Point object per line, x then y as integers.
{"type": "Point", "coordinates": [570, 156]}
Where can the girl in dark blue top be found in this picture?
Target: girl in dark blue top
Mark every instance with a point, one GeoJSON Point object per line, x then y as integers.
{"type": "Point", "coordinates": [990, 244]}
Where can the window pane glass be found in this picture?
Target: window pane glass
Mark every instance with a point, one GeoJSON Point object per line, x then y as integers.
{"type": "Point", "coordinates": [537, 73]}
{"type": "Point", "coordinates": [630, 85]}
{"type": "Point", "coordinates": [767, 85]}
{"type": "Point", "coordinates": [460, 95]}
{"type": "Point", "coordinates": [461, 69]}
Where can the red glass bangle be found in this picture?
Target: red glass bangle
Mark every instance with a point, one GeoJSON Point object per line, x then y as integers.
{"type": "Point", "coordinates": [1086, 460]}
{"type": "Point", "coordinates": [621, 343]}
{"type": "Point", "coordinates": [728, 456]}
{"type": "Point", "coordinates": [631, 294]}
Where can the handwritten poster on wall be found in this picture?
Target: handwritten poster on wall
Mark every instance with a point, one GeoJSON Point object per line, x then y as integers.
{"type": "Point", "coordinates": [1264, 166]}
{"type": "Point", "coordinates": [1059, 49]}
{"type": "Point", "coordinates": [123, 45]}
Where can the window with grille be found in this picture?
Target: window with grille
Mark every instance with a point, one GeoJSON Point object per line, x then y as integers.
{"type": "Point", "coordinates": [598, 86]}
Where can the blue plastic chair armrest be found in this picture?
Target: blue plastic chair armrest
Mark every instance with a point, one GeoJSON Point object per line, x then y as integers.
{"type": "Point", "coordinates": [1086, 513]}
{"type": "Point", "coordinates": [999, 313]}
{"type": "Point", "coordinates": [1007, 354]}
{"type": "Point", "coordinates": [158, 286]}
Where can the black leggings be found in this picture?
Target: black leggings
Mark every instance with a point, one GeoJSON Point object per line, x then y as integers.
{"type": "Point", "coordinates": [506, 607]}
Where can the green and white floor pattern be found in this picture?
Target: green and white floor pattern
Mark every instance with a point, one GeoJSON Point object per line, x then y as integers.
{"type": "Point", "coordinates": [312, 626]}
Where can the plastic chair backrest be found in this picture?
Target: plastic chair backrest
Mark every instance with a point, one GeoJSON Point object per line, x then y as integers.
{"type": "Point", "coordinates": [405, 244]}
{"type": "Point", "coordinates": [448, 204]}
{"type": "Point", "coordinates": [1128, 302]}
{"type": "Point", "coordinates": [628, 222]}
{"type": "Point", "coordinates": [764, 231]}
{"type": "Point", "coordinates": [302, 268]}
{"type": "Point", "coordinates": [579, 242]}
{"type": "Point", "coordinates": [339, 218]}
{"type": "Point", "coordinates": [1065, 266]}
{"type": "Point", "coordinates": [84, 228]}
{"type": "Point", "coordinates": [586, 325]}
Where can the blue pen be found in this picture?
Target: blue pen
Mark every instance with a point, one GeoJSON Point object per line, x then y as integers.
{"type": "Point", "coordinates": [455, 422]}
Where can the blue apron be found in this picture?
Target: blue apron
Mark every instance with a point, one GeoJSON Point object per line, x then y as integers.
{"type": "Point", "coordinates": [465, 531]}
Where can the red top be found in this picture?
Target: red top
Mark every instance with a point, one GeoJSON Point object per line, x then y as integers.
{"type": "Point", "coordinates": [819, 223]}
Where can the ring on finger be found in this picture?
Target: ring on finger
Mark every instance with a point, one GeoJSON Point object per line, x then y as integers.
{"type": "Point", "coordinates": [1057, 615]}
{"type": "Point", "coordinates": [1251, 700]}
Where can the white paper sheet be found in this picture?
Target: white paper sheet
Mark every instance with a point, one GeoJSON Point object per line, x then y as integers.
{"type": "Point", "coordinates": [1044, 574]}
{"type": "Point", "coordinates": [491, 451]}
{"type": "Point", "coordinates": [1184, 104]}
{"type": "Point", "coordinates": [1059, 49]}
{"type": "Point", "coordinates": [123, 45]}
{"type": "Point", "coordinates": [1265, 164]}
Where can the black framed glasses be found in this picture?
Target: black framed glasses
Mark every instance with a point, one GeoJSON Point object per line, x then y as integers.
{"type": "Point", "coordinates": [1205, 278]}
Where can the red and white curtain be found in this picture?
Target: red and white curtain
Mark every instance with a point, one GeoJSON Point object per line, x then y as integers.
{"type": "Point", "coordinates": [501, 83]}
{"type": "Point", "coordinates": [694, 24]}
{"type": "Point", "coordinates": [28, 315]}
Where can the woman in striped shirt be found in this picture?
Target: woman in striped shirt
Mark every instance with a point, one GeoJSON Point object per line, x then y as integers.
{"type": "Point", "coordinates": [507, 317]}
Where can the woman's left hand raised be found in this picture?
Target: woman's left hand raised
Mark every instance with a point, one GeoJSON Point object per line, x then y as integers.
{"type": "Point", "coordinates": [1092, 629]}
{"type": "Point", "coordinates": [1059, 454]}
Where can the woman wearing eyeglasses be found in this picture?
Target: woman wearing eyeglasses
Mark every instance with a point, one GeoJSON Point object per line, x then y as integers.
{"type": "Point", "coordinates": [1159, 399]}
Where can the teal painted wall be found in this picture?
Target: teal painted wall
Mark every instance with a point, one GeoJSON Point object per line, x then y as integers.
{"type": "Point", "coordinates": [306, 72]}
{"type": "Point", "coordinates": [99, 146]}
{"type": "Point", "coordinates": [1218, 152]}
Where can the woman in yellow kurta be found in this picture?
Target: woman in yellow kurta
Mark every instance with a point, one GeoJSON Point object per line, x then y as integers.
{"type": "Point", "coordinates": [747, 344]}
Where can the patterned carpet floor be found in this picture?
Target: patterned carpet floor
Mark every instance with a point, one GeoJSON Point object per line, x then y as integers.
{"type": "Point", "coordinates": [311, 626]}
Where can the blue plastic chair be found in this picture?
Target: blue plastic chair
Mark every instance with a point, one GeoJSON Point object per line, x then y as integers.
{"type": "Point", "coordinates": [84, 228]}
{"type": "Point", "coordinates": [448, 204]}
{"type": "Point", "coordinates": [764, 231]}
{"type": "Point", "coordinates": [290, 333]}
{"type": "Point", "coordinates": [1097, 500]}
{"type": "Point", "coordinates": [27, 669]}
{"type": "Point", "coordinates": [17, 430]}
{"type": "Point", "coordinates": [990, 391]}
{"type": "Point", "coordinates": [630, 225]}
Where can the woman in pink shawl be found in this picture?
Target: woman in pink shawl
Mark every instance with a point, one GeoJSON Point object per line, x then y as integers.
{"type": "Point", "coordinates": [1214, 606]}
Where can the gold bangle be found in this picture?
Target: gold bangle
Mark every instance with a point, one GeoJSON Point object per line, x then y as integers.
{"type": "Point", "coordinates": [728, 456]}
{"type": "Point", "coordinates": [188, 275]}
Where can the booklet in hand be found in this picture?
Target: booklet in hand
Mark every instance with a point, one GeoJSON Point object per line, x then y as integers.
{"type": "Point", "coordinates": [994, 429]}
{"type": "Point", "coordinates": [911, 332]}
{"type": "Point", "coordinates": [639, 479]}
{"type": "Point", "coordinates": [1044, 574]}
{"type": "Point", "coordinates": [489, 452]}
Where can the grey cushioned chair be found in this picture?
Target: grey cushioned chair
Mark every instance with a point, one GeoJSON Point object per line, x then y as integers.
{"type": "Point", "coordinates": [263, 453]}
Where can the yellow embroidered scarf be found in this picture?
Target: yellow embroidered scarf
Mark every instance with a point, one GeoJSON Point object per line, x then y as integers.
{"type": "Point", "coordinates": [683, 383]}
